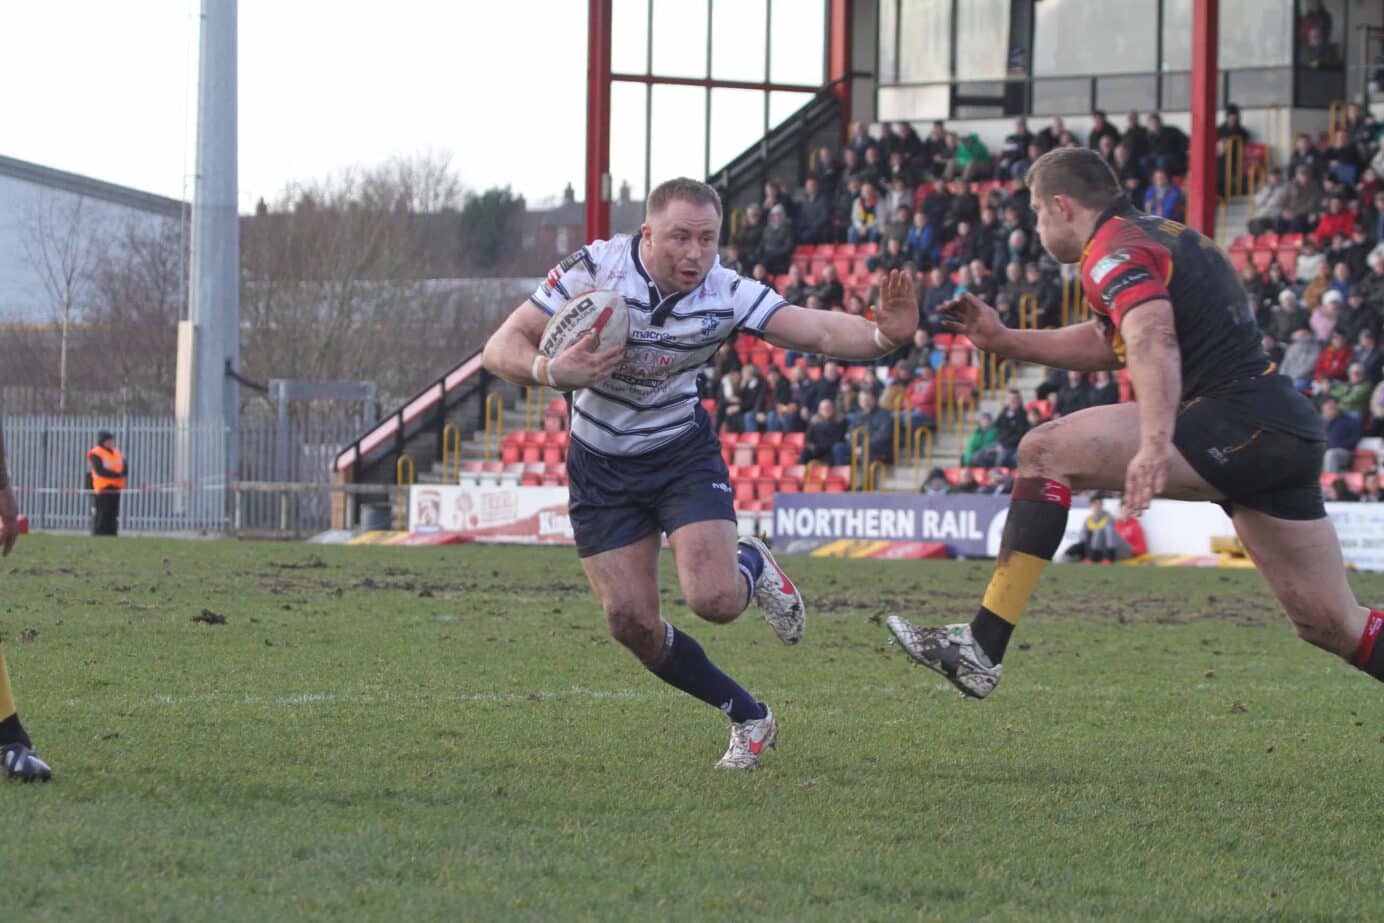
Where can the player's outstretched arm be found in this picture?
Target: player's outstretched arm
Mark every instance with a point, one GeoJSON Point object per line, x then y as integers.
{"type": "Point", "coordinates": [1156, 368]}
{"type": "Point", "coordinates": [512, 353]}
{"type": "Point", "coordinates": [1079, 347]}
{"type": "Point", "coordinates": [844, 336]}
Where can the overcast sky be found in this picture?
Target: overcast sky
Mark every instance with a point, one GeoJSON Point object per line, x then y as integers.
{"type": "Point", "coordinates": [108, 88]}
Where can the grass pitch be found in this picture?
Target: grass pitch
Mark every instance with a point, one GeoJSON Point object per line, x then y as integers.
{"type": "Point", "coordinates": [448, 733]}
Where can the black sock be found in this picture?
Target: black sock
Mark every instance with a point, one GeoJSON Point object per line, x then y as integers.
{"type": "Point", "coordinates": [685, 666]}
{"type": "Point", "coordinates": [12, 732]}
{"type": "Point", "coordinates": [991, 633]}
{"type": "Point", "coordinates": [1369, 656]}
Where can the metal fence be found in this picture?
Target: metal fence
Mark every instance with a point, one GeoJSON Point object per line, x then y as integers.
{"type": "Point", "coordinates": [47, 461]}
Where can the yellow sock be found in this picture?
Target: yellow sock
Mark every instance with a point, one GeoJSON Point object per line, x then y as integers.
{"type": "Point", "coordinates": [6, 695]}
{"type": "Point", "coordinates": [1012, 584]}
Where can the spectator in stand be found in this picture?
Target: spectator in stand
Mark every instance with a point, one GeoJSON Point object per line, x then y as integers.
{"type": "Point", "coordinates": [1337, 220]}
{"type": "Point", "coordinates": [1376, 429]}
{"type": "Point", "coordinates": [1019, 167]}
{"type": "Point", "coordinates": [892, 257]}
{"type": "Point", "coordinates": [750, 398]}
{"type": "Point", "coordinates": [1305, 154]}
{"type": "Point", "coordinates": [972, 159]}
{"type": "Point", "coordinates": [795, 289]}
{"type": "Point", "coordinates": [1342, 436]}
{"type": "Point", "coordinates": [938, 204]}
{"type": "Point", "coordinates": [966, 483]}
{"type": "Point", "coordinates": [1101, 128]}
{"type": "Point", "coordinates": [922, 353]}
{"type": "Point", "coordinates": [945, 160]}
{"type": "Point", "coordinates": [936, 483]}
{"type": "Point", "coordinates": [827, 171]}
{"type": "Point", "coordinates": [922, 244]}
{"type": "Point", "coordinates": [904, 139]}
{"type": "Point", "coordinates": [1272, 348]}
{"type": "Point", "coordinates": [1074, 395]}
{"type": "Point", "coordinates": [1371, 198]}
{"type": "Point", "coordinates": [1268, 203]}
{"type": "Point", "coordinates": [1353, 394]}
{"type": "Point", "coordinates": [1163, 198]}
{"type": "Point", "coordinates": [1231, 127]}
{"type": "Point", "coordinates": [1356, 254]}
{"type": "Point", "coordinates": [877, 425]}
{"type": "Point", "coordinates": [899, 196]}
{"type": "Point", "coordinates": [760, 416]}
{"type": "Point", "coordinates": [1107, 150]}
{"type": "Point", "coordinates": [1300, 202]}
{"type": "Point", "coordinates": [983, 283]}
{"type": "Point", "coordinates": [864, 216]}
{"type": "Point", "coordinates": [814, 213]}
{"type": "Point", "coordinates": [988, 238]}
{"type": "Point", "coordinates": [1051, 136]}
{"type": "Point", "coordinates": [1300, 358]}
{"type": "Point", "coordinates": [842, 207]}
{"type": "Point", "coordinates": [730, 258]}
{"type": "Point", "coordinates": [1013, 284]}
{"type": "Point", "coordinates": [829, 288]}
{"type": "Point", "coordinates": [1099, 541]}
{"type": "Point", "coordinates": [933, 159]}
{"type": "Point", "coordinates": [1274, 284]}
{"type": "Point", "coordinates": [1362, 127]}
{"type": "Point", "coordinates": [1228, 129]}
{"type": "Point", "coordinates": [826, 437]}
{"type": "Point", "coordinates": [775, 195]}
{"type": "Point", "coordinates": [1010, 426]}
{"type": "Point", "coordinates": [1368, 354]}
{"type": "Point", "coordinates": [897, 167]}
{"type": "Point", "coordinates": [997, 483]}
{"type": "Point", "coordinates": [873, 170]}
{"type": "Point", "coordinates": [1104, 389]}
{"type": "Point", "coordinates": [1319, 54]}
{"type": "Point", "coordinates": [1335, 359]}
{"type": "Point", "coordinates": [982, 438]}
{"type": "Point", "coordinates": [1338, 491]}
{"type": "Point", "coordinates": [1340, 280]}
{"type": "Point", "coordinates": [1048, 293]}
{"type": "Point", "coordinates": [855, 306]}
{"type": "Point", "coordinates": [1332, 186]}
{"type": "Point", "coordinates": [1371, 493]}
{"type": "Point", "coordinates": [1129, 173]}
{"type": "Point", "coordinates": [783, 403]}
{"type": "Point", "coordinates": [1315, 16]}
{"type": "Point", "coordinates": [1135, 137]}
{"type": "Point", "coordinates": [1324, 316]}
{"type": "Point", "coordinates": [923, 399]}
{"type": "Point", "coordinates": [1253, 284]}
{"type": "Point", "coordinates": [1371, 287]}
{"type": "Point", "coordinates": [1343, 158]}
{"type": "Point", "coordinates": [1310, 261]}
{"type": "Point", "coordinates": [777, 242]}
{"type": "Point", "coordinates": [760, 274]}
{"type": "Point", "coordinates": [729, 413]}
{"type": "Point", "coordinates": [1016, 145]}
{"type": "Point", "coordinates": [827, 387]}
{"type": "Point", "coordinates": [940, 290]}
{"type": "Point", "coordinates": [860, 140]}
{"type": "Point", "coordinates": [750, 234]}
{"type": "Point", "coordinates": [1167, 146]}
{"type": "Point", "coordinates": [957, 251]}
{"type": "Point", "coordinates": [897, 227]}
{"type": "Point", "coordinates": [965, 205]}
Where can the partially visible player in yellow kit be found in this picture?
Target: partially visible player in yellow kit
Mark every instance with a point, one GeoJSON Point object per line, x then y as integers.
{"type": "Point", "coordinates": [17, 757]}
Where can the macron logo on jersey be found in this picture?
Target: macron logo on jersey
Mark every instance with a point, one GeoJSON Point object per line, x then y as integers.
{"type": "Point", "coordinates": [1108, 265]}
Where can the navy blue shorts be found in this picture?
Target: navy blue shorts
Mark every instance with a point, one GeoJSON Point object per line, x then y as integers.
{"type": "Point", "coordinates": [616, 501]}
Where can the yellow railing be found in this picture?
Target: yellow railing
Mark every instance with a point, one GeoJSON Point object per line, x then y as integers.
{"type": "Point", "coordinates": [922, 458]}
{"type": "Point", "coordinates": [1254, 178]}
{"type": "Point", "coordinates": [1336, 118]}
{"type": "Point", "coordinates": [535, 404]}
{"type": "Point", "coordinates": [1074, 306]}
{"type": "Point", "coordinates": [1234, 157]}
{"type": "Point", "coordinates": [876, 475]}
{"type": "Point", "coordinates": [451, 453]}
{"type": "Point", "coordinates": [1028, 311]}
{"type": "Point", "coordinates": [1000, 373]}
{"type": "Point", "coordinates": [813, 467]}
{"type": "Point", "coordinates": [494, 423]}
{"type": "Point", "coordinates": [860, 457]}
{"type": "Point", "coordinates": [405, 463]}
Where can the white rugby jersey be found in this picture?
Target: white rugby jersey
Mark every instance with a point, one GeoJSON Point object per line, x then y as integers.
{"type": "Point", "coordinates": [651, 399]}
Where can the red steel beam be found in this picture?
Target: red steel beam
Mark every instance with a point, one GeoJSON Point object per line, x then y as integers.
{"type": "Point", "coordinates": [839, 56]}
{"type": "Point", "coordinates": [597, 206]}
{"type": "Point", "coordinates": [1201, 180]}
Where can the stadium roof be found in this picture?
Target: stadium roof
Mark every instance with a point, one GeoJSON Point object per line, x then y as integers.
{"type": "Point", "coordinates": [91, 188]}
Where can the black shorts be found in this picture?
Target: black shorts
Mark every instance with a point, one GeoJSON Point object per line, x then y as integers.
{"type": "Point", "coordinates": [615, 501]}
{"type": "Point", "coordinates": [1230, 442]}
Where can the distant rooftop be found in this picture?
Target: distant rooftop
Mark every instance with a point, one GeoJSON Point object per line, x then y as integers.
{"type": "Point", "coordinates": [91, 188]}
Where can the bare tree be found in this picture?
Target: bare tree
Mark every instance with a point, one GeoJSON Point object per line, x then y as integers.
{"type": "Point", "coordinates": [63, 244]}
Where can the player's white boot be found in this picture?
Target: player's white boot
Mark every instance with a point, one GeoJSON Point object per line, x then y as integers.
{"type": "Point", "coordinates": [779, 600]}
{"type": "Point", "coordinates": [20, 762]}
{"type": "Point", "coordinates": [951, 651]}
{"type": "Point", "coordinates": [748, 741]}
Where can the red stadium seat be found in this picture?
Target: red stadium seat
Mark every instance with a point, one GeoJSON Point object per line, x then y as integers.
{"type": "Point", "coordinates": [788, 454]}
{"type": "Point", "coordinates": [836, 485]}
{"type": "Point", "coordinates": [750, 439]}
{"type": "Point", "coordinates": [1242, 242]}
{"type": "Point", "coordinates": [764, 488]}
{"type": "Point", "coordinates": [472, 467]}
{"type": "Point", "coordinates": [1262, 258]}
{"type": "Point", "coordinates": [796, 440]}
{"type": "Point", "coordinates": [1265, 242]}
{"type": "Point", "coordinates": [531, 479]}
{"type": "Point", "coordinates": [743, 454]}
{"type": "Point", "coordinates": [846, 250]}
{"type": "Point", "coordinates": [825, 250]}
{"type": "Point", "coordinates": [1287, 259]}
{"type": "Point", "coordinates": [554, 455]}
{"type": "Point", "coordinates": [744, 491]}
{"type": "Point", "coordinates": [868, 249]}
{"type": "Point", "coordinates": [1290, 241]}
{"type": "Point", "coordinates": [765, 455]}
{"type": "Point", "coordinates": [789, 486]}
{"type": "Point", "coordinates": [953, 475]}
{"type": "Point", "coordinates": [1238, 259]}
{"type": "Point", "coordinates": [510, 453]}
{"type": "Point", "coordinates": [843, 266]}
{"type": "Point", "coordinates": [1364, 460]}
{"type": "Point", "coordinates": [771, 439]}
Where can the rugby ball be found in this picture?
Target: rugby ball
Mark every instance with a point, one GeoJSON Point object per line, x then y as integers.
{"type": "Point", "coordinates": [602, 311]}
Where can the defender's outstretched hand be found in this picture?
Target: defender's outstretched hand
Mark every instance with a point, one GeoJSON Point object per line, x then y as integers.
{"type": "Point", "coordinates": [897, 313]}
{"type": "Point", "coordinates": [977, 320]}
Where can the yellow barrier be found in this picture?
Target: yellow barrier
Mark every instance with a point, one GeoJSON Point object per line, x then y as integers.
{"type": "Point", "coordinates": [451, 453]}
{"type": "Point", "coordinates": [922, 460]}
{"type": "Point", "coordinates": [873, 479]}
{"type": "Point", "coordinates": [813, 467]}
{"type": "Point", "coordinates": [405, 462]}
{"type": "Point", "coordinates": [1234, 156]}
{"type": "Point", "coordinates": [1254, 178]}
{"type": "Point", "coordinates": [860, 457]}
{"type": "Point", "coordinates": [1028, 311]}
{"type": "Point", "coordinates": [1000, 374]}
{"type": "Point", "coordinates": [494, 423]}
{"type": "Point", "coordinates": [1074, 306]}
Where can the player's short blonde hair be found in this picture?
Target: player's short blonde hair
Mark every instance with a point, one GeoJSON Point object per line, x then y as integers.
{"type": "Point", "coordinates": [682, 189]}
{"type": "Point", "coordinates": [1078, 174]}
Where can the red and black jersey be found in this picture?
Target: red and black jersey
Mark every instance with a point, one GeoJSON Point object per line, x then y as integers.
{"type": "Point", "coordinates": [1134, 258]}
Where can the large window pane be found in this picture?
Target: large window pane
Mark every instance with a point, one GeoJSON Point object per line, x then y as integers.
{"type": "Point", "coordinates": [737, 121]}
{"type": "Point", "coordinates": [1261, 87]}
{"type": "Point", "coordinates": [1062, 97]}
{"type": "Point", "coordinates": [629, 36]}
{"type": "Point", "coordinates": [680, 38]}
{"type": "Point", "coordinates": [1120, 94]}
{"type": "Point", "coordinates": [782, 105]}
{"type": "Point", "coordinates": [678, 145]}
{"type": "Point", "coordinates": [895, 104]}
{"type": "Point", "coordinates": [924, 40]}
{"type": "Point", "coordinates": [799, 37]}
{"type": "Point", "coordinates": [1177, 34]}
{"type": "Point", "coordinates": [982, 39]}
{"type": "Point", "coordinates": [1095, 37]}
{"type": "Point", "coordinates": [627, 132]}
{"type": "Point", "coordinates": [1254, 33]}
{"type": "Point", "coordinates": [888, 41]}
{"type": "Point", "coordinates": [737, 39]}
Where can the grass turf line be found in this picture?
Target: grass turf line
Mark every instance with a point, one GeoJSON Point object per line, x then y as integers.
{"type": "Point", "coordinates": [382, 731]}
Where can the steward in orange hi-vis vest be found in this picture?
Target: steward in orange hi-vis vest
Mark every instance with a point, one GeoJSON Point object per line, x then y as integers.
{"type": "Point", "coordinates": [106, 473]}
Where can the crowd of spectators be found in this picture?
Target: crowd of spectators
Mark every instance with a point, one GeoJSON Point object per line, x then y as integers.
{"type": "Point", "coordinates": [955, 216]}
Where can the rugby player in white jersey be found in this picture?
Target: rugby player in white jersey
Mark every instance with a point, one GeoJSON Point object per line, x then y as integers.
{"type": "Point", "coordinates": [644, 458]}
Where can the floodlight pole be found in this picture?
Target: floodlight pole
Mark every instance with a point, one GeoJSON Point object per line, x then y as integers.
{"type": "Point", "coordinates": [597, 206]}
{"type": "Point", "coordinates": [1201, 179]}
